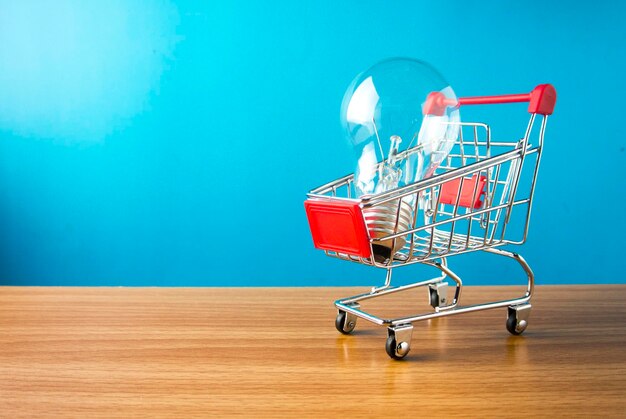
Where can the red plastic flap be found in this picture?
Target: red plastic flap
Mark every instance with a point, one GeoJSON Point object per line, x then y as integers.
{"type": "Point", "coordinates": [450, 189]}
{"type": "Point", "coordinates": [338, 226]}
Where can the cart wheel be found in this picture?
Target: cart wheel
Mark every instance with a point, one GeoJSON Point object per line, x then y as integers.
{"type": "Point", "coordinates": [513, 326]}
{"type": "Point", "coordinates": [438, 295]}
{"type": "Point", "coordinates": [395, 350]}
{"type": "Point", "coordinates": [342, 325]}
{"type": "Point", "coordinates": [434, 298]}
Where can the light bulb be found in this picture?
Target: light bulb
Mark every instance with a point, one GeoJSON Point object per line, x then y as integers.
{"type": "Point", "coordinates": [383, 113]}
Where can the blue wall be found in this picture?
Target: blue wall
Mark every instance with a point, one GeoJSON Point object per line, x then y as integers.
{"type": "Point", "coordinates": [172, 142]}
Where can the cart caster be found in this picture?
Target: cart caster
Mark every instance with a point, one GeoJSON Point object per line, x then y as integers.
{"type": "Point", "coordinates": [398, 342]}
{"type": "Point", "coordinates": [517, 319]}
{"type": "Point", "coordinates": [438, 294]}
{"type": "Point", "coordinates": [345, 322]}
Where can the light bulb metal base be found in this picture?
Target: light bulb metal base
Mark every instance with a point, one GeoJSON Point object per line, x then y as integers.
{"type": "Point", "coordinates": [387, 219]}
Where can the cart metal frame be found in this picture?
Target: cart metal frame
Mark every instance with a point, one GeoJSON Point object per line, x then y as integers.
{"type": "Point", "coordinates": [442, 227]}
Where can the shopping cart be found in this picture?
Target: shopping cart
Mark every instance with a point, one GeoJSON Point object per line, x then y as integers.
{"type": "Point", "coordinates": [479, 199]}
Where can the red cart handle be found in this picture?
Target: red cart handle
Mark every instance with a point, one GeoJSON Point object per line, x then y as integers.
{"type": "Point", "coordinates": [541, 100]}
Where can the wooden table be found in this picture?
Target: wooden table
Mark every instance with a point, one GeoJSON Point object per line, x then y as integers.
{"type": "Point", "coordinates": [275, 351]}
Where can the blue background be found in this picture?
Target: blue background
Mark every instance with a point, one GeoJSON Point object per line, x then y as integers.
{"type": "Point", "coordinates": [172, 142]}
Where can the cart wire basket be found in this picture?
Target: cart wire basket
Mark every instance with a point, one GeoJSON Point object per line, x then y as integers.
{"type": "Point", "coordinates": [479, 199]}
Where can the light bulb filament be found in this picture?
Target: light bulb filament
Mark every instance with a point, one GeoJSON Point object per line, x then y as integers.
{"type": "Point", "coordinates": [393, 149]}
{"type": "Point", "coordinates": [389, 171]}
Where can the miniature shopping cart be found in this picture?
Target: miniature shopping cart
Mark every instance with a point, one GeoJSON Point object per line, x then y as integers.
{"type": "Point", "coordinates": [479, 199]}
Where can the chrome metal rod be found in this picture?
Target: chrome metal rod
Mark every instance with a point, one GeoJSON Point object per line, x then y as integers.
{"type": "Point", "coordinates": [345, 304]}
{"type": "Point", "coordinates": [459, 310]}
{"type": "Point", "coordinates": [516, 256]}
{"type": "Point", "coordinates": [390, 290]}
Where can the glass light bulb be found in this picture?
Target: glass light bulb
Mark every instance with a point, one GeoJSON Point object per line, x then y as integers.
{"type": "Point", "coordinates": [385, 112]}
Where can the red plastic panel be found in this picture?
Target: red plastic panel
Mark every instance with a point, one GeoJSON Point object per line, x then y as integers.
{"type": "Point", "coordinates": [338, 226]}
{"type": "Point", "coordinates": [450, 190]}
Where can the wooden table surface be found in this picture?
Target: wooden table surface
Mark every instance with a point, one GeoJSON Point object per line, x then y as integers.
{"type": "Point", "coordinates": [256, 352]}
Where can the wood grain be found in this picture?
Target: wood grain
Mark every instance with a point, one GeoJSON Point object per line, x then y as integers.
{"type": "Point", "coordinates": [256, 352]}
